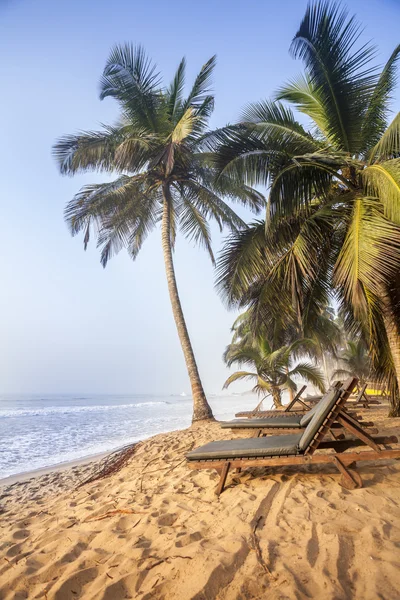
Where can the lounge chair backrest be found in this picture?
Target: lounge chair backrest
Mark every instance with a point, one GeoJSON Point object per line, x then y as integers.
{"type": "Point", "coordinates": [305, 419]}
{"type": "Point", "coordinates": [322, 410]}
{"type": "Point", "coordinates": [310, 413]}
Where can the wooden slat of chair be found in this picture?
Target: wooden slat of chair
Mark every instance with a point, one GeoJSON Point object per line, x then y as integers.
{"type": "Point", "coordinates": [273, 412]}
{"type": "Point", "coordinates": [297, 398]}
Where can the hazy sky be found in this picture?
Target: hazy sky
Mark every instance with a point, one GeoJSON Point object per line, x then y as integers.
{"type": "Point", "coordinates": [67, 325]}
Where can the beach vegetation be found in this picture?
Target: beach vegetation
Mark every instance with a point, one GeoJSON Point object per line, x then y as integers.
{"type": "Point", "coordinates": [274, 367]}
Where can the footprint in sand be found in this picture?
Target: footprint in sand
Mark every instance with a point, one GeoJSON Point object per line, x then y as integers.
{"type": "Point", "coordinates": [22, 595]}
{"type": "Point", "coordinates": [21, 534]}
{"type": "Point", "coordinates": [143, 543]}
{"type": "Point", "coordinates": [32, 566]}
{"type": "Point", "coordinates": [189, 539]}
{"type": "Point", "coordinates": [14, 550]}
{"type": "Point", "coordinates": [73, 586]}
{"type": "Point", "coordinates": [74, 553]}
{"type": "Point", "coordinates": [167, 520]}
{"type": "Point", "coordinates": [123, 588]}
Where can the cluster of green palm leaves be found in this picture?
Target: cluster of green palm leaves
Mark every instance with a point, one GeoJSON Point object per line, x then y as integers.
{"type": "Point", "coordinates": [332, 227]}
{"type": "Point", "coordinates": [275, 367]}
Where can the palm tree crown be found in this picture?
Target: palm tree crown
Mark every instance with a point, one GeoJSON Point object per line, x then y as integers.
{"type": "Point", "coordinates": [164, 174]}
{"type": "Point", "coordinates": [274, 367]}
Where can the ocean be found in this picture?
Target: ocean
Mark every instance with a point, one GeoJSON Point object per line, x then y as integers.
{"type": "Point", "coordinates": [39, 431]}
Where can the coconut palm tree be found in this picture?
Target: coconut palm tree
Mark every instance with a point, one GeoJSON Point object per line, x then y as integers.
{"type": "Point", "coordinates": [273, 368]}
{"type": "Point", "coordinates": [355, 362]}
{"type": "Point", "coordinates": [333, 216]}
{"type": "Point", "coordinates": [164, 176]}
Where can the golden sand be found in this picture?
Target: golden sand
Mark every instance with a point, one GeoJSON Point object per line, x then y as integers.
{"type": "Point", "coordinates": [156, 530]}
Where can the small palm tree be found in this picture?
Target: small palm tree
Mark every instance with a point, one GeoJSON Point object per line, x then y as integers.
{"type": "Point", "coordinates": [333, 218]}
{"type": "Point", "coordinates": [355, 361]}
{"type": "Point", "coordinates": [273, 369]}
{"type": "Point", "coordinates": [165, 176]}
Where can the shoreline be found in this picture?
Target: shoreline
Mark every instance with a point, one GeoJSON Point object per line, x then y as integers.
{"type": "Point", "coordinates": [57, 468]}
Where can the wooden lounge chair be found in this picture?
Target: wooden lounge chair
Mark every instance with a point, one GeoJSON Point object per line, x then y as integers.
{"type": "Point", "coordinates": [300, 448]}
{"type": "Point", "coordinates": [363, 399]}
{"type": "Point", "coordinates": [257, 412]}
{"type": "Point", "coordinates": [285, 422]}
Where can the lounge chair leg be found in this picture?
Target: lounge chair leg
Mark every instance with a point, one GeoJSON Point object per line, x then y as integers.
{"type": "Point", "coordinates": [350, 479]}
{"type": "Point", "coordinates": [224, 474]}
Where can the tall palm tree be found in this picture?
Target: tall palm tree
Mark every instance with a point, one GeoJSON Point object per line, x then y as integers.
{"type": "Point", "coordinates": [164, 175]}
{"type": "Point", "coordinates": [273, 369]}
{"type": "Point", "coordinates": [333, 217]}
{"type": "Point", "coordinates": [355, 362]}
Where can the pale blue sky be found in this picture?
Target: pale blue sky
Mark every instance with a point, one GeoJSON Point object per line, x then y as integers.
{"type": "Point", "coordinates": [67, 325]}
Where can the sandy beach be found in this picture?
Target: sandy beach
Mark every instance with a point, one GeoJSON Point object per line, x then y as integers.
{"type": "Point", "coordinates": [155, 530]}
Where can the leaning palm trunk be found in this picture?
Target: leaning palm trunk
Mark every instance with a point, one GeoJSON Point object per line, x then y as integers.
{"type": "Point", "coordinates": [393, 336]}
{"type": "Point", "coordinates": [201, 408]}
{"type": "Point", "coordinates": [276, 397]}
{"type": "Point", "coordinates": [158, 152]}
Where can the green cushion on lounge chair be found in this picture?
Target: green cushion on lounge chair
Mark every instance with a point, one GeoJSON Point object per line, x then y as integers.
{"type": "Point", "coordinates": [248, 448]}
{"type": "Point", "coordinates": [306, 418]}
{"type": "Point", "coordinates": [279, 421]}
{"type": "Point", "coordinates": [309, 415]}
{"type": "Point", "coordinates": [323, 408]}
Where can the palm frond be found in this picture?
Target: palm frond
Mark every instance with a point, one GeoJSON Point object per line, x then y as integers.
{"type": "Point", "coordinates": [241, 262]}
{"type": "Point", "coordinates": [121, 212]}
{"type": "Point", "coordinates": [184, 127]}
{"type": "Point", "coordinates": [341, 374]}
{"type": "Point", "coordinates": [242, 355]}
{"type": "Point", "coordinates": [309, 373]}
{"type": "Point", "coordinates": [342, 75]}
{"type": "Point", "coordinates": [370, 254]}
{"type": "Point", "coordinates": [210, 204]}
{"type": "Point", "coordinates": [127, 227]}
{"type": "Point", "coordinates": [130, 77]}
{"type": "Point", "coordinates": [199, 96]}
{"type": "Point", "coordinates": [96, 200]}
{"type": "Point", "coordinates": [175, 91]}
{"type": "Point", "coordinates": [94, 150]}
{"type": "Point", "coordinates": [301, 93]}
{"type": "Point", "coordinates": [389, 144]}
{"type": "Point", "coordinates": [273, 120]}
{"type": "Point", "coordinates": [238, 375]}
{"type": "Point", "coordinates": [375, 118]}
{"type": "Point", "coordinates": [267, 139]}
{"type": "Point", "coordinates": [382, 180]}
{"type": "Point", "coordinates": [297, 185]}
{"type": "Point", "coordinates": [194, 226]}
